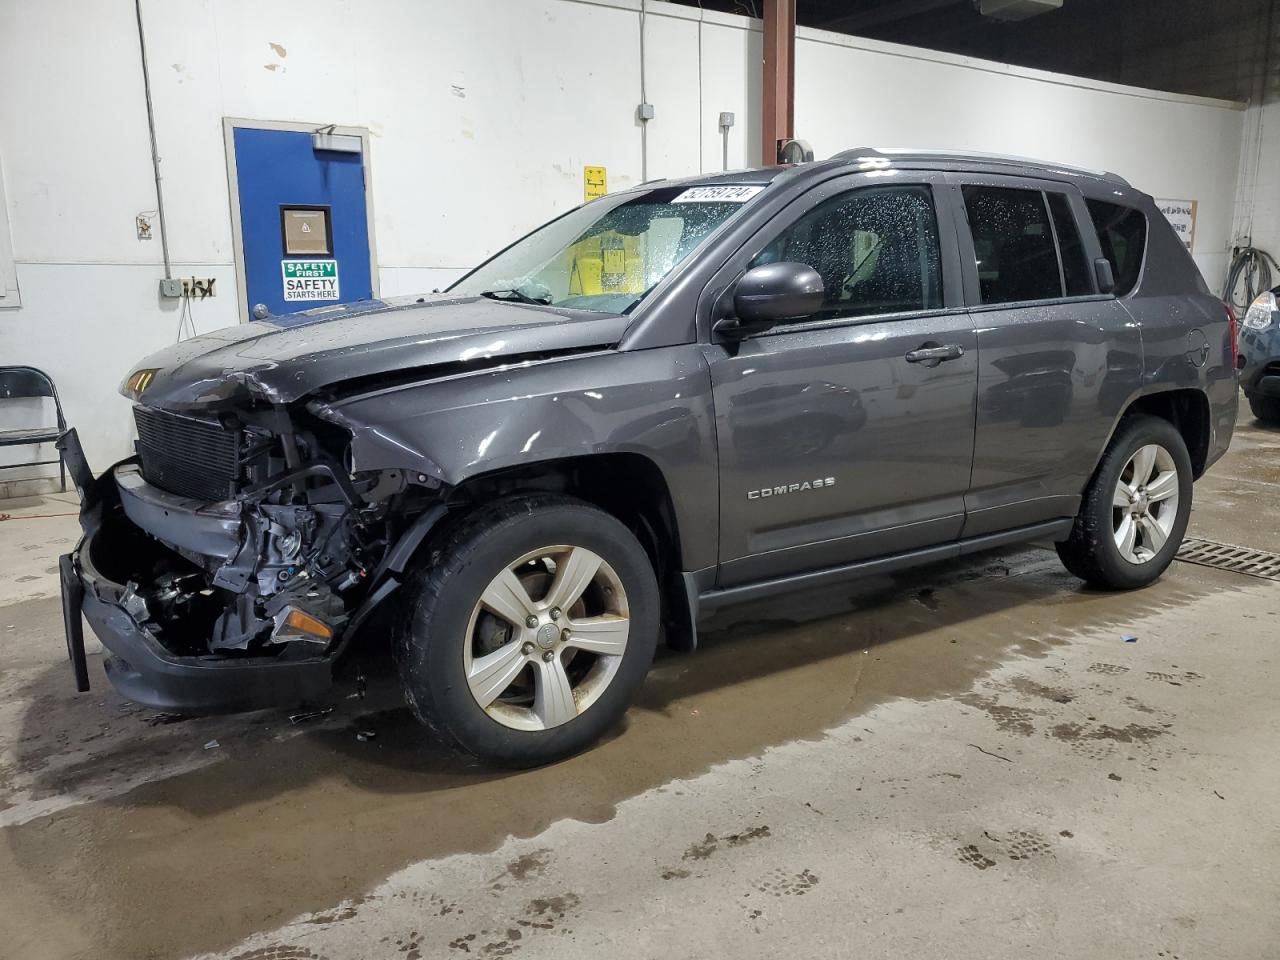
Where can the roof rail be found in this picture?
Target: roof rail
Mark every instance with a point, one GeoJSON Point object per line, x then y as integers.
{"type": "Point", "coordinates": [972, 156]}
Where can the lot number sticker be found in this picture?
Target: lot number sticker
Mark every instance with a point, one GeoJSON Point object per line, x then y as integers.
{"type": "Point", "coordinates": [733, 194]}
{"type": "Point", "coordinates": [310, 279]}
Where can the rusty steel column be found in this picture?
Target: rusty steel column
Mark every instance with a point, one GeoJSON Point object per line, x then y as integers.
{"type": "Point", "coordinates": [779, 77]}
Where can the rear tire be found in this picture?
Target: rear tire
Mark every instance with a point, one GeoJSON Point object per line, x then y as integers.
{"type": "Point", "coordinates": [1266, 409]}
{"type": "Point", "coordinates": [483, 675]}
{"type": "Point", "coordinates": [1134, 512]}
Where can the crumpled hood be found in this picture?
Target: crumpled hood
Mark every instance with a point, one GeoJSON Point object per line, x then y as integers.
{"type": "Point", "coordinates": [287, 358]}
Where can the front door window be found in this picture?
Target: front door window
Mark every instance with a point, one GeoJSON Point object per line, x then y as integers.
{"type": "Point", "coordinates": [876, 250]}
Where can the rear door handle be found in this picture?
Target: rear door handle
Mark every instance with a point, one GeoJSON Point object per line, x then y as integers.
{"type": "Point", "coordinates": [933, 354]}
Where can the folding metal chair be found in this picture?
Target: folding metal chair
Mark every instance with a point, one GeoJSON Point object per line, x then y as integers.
{"type": "Point", "coordinates": [18, 383]}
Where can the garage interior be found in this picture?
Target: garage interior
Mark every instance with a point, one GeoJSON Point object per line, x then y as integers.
{"type": "Point", "coordinates": [978, 758]}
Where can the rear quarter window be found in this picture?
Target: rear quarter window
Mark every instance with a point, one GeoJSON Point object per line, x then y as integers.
{"type": "Point", "coordinates": [1122, 232]}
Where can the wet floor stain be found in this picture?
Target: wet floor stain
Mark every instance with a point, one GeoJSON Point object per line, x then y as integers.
{"type": "Point", "coordinates": [974, 857]}
{"type": "Point", "coordinates": [781, 883]}
{"type": "Point", "coordinates": [709, 844]}
{"type": "Point", "coordinates": [527, 867]}
{"type": "Point", "coordinates": [1014, 846]}
{"type": "Point", "coordinates": [279, 952]}
{"type": "Point", "coordinates": [377, 805]}
{"type": "Point", "coordinates": [411, 946]}
{"type": "Point", "coordinates": [1108, 669]}
{"type": "Point", "coordinates": [549, 909]}
{"type": "Point", "coordinates": [333, 916]}
{"type": "Point", "coordinates": [429, 903]}
{"type": "Point", "coordinates": [1130, 733]}
{"type": "Point", "coordinates": [1008, 719]}
{"type": "Point", "coordinates": [1030, 688]}
{"type": "Point", "coordinates": [1026, 845]}
{"type": "Point", "coordinates": [325, 817]}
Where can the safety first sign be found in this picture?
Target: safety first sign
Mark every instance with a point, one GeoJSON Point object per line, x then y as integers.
{"type": "Point", "coordinates": [310, 279]}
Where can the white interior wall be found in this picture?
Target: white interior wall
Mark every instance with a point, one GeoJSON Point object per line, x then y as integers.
{"type": "Point", "coordinates": [482, 114]}
{"type": "Point", "coordinates": [77, 168]}
{"type": "Point", "coordinates": [855, 92]}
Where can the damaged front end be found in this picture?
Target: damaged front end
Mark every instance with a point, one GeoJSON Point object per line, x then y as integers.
{"type": "Point", "coordinates": [230, 564]}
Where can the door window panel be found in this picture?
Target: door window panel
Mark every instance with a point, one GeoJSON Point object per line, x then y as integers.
{"type": "Point", "coordinates": [1122, 231]}
{"type": "Point", "coordinates": [1014, 244]}
{"type": "Point", "coordinates": [1075, 266]}
{"type": "Point", "coordinates": [306, 231]}
{"type": "Point", "coordinates": [876, 250]}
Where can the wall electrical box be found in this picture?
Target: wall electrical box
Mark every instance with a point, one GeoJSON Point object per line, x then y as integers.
{"type": "Point", "coordinates": [193, 288]}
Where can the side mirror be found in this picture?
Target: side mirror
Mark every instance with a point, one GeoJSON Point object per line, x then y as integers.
{"type": "Point", "coordinates": [1106, 279]}
{"type": "Point", "coordinates": [769, 294]}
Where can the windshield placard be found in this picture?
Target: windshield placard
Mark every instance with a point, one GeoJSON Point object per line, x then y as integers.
{"type": "Point", "coordinates": [726, 194]}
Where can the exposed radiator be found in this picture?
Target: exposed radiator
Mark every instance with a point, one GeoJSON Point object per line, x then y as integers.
{"type": "Point", "coordinates": [192, 458]}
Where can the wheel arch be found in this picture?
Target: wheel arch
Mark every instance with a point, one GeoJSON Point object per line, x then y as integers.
{"type": "Point", "coordinates": [1187, 408]}
{"type": "Point", "coordinates": [628, 486]}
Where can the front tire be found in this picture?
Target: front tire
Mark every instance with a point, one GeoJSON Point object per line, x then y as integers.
{"type": "Point", "coordinates": [530, 631]}
{"type": "Point", "coordinates": [1266, 409]}
{"type": "Point", "coordinates": [1135, 510]}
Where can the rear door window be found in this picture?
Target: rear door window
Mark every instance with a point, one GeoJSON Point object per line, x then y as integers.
{"type": "Point", "coordinates": [1014, 245]}
{"type": "Point", "coordinates": [1122, 232]}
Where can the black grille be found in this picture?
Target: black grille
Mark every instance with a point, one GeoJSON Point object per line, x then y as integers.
{"type": "Point", "coordinates": [192, 458]}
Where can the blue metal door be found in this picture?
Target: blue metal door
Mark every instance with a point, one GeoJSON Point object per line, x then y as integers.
{"type": "Point", "coordinates": [303, 222]}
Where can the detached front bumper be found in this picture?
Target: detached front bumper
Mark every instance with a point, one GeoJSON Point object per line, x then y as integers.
{"type": "Point", "coordinates": [139, 666]}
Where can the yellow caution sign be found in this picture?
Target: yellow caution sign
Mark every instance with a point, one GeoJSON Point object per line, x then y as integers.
{"type": "Point", "coordinates": [607, 263]}
{"type": "Point", "coordinates": [595, 182]}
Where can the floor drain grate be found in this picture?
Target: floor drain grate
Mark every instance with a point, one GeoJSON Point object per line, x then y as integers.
{"type": "Point", "coordinates": [1223, 556]}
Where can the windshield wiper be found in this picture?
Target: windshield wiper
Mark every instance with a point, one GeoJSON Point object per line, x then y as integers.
{"type": "Point", "coordinates": [512, 295]}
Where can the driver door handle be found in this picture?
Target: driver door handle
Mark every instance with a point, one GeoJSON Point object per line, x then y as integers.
{"type": "Point", "coordinates": [934, 354]}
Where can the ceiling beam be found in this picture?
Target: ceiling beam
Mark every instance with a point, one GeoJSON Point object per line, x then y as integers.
{"type": "Point", "coordinates": [886, 12]}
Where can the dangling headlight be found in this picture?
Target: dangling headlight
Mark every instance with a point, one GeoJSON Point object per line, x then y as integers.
{"type": "Point", "coordinates": [1261, 312]}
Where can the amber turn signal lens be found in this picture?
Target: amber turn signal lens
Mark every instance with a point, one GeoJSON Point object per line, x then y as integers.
{"type": "Point", "coordinates": [305, 623]}
{"type": "Point", "coordinates": [139, 380]}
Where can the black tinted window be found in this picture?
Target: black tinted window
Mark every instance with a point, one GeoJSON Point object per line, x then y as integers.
{"type": "Point", "coordinates": [1013, 243]}
{"type": "Point", "coordinates": [1122, 231]}
{"type": "Point", "coordinates": [1075, 266]}
{"type": "Point", "coordinates": [875, 248]}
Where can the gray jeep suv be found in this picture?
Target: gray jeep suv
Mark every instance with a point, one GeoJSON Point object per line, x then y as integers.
{"type": "Point", "coordinates": [669, 399]}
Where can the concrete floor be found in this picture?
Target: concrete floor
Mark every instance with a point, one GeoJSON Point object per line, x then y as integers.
{"type": "Point", "coordinates": [962, 761]}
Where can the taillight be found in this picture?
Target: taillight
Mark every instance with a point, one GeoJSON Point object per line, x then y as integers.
{"type": "Point", "coordinates": [1233, 338]}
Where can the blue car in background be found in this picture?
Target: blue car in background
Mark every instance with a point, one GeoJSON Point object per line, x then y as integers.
{"type": "Point", "coordinates": [1260, 347]}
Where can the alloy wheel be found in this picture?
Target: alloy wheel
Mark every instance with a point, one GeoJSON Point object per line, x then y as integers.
{"type": "Point", "coordinates": [546, 638]}
{"type": "Point", "coordinates": [1145, 503]}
